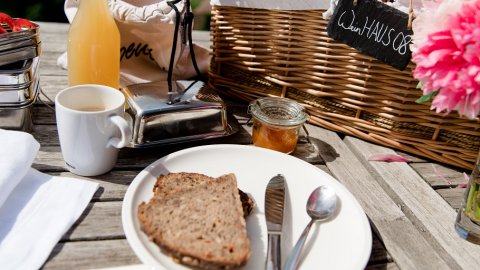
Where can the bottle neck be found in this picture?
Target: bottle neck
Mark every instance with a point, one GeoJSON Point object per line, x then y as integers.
{"type": "Point", "coordinates": [100, 5]}
{"type": "Point", "coordinates": [94, 10]}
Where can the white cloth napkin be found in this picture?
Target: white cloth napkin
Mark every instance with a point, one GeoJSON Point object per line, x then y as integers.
{"type": "Point", "coordinates": [36, 209]}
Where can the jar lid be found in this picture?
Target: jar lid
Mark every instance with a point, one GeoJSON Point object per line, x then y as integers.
{"type": "Point", "coordinates": [278, 111]}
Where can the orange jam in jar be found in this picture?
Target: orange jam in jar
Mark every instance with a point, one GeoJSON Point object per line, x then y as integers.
{"type": "Point", "coordinates": [276, 123]}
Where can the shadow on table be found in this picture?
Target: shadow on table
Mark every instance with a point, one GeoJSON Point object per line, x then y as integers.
{"type": "Point", "coordinates": [58, 248]}
{"type": "Point", "coordinates": [314, 150]}
{"type": "Point", "coordinates": [379, 257]}
{"type": "Point", "coordinates": [139, 158]}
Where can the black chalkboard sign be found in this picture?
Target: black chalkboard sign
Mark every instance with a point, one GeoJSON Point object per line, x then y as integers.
{"type": "Point", "coordinates": [373, 28]}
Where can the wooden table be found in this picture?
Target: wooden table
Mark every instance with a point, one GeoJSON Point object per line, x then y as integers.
{"type": "Point", "coordinates": [410, 207]}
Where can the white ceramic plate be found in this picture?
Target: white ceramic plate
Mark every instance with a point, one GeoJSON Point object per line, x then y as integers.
{"type": "Point", "coordinates": [344, 242]}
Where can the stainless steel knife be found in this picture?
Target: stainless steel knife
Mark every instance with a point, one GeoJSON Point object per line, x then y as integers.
{"type": "Point", "coordinates": [274, 204]}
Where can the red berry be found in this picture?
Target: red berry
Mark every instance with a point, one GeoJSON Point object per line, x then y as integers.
{"type": "Point", "coordinates": [19, 24]}
{"type": "Point", "coordinates": [4, 18]}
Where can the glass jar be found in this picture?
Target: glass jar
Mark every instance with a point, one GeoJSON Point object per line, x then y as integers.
{"type": "Point", "coordinates": [276, 123]}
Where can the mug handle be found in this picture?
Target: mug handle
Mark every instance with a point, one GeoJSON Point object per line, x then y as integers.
{"type": "Point", "coordinates": [125, 129]}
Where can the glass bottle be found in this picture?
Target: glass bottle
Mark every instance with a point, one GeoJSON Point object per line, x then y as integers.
{"type": "Point", "coordinates": [467, 223]}
{"type": "Point", "coordinates": [94, 46]}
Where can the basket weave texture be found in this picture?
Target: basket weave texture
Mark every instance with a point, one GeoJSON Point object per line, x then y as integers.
{"type": "Point", "coordinates": [260, 52]}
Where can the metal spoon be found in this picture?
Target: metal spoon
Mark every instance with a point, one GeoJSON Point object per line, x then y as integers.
{"type": "Point", "coordinates": [321, 205]}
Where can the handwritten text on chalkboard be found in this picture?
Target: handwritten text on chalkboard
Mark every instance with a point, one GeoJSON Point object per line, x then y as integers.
{"type": "Point", "coordinates": [374, 29]}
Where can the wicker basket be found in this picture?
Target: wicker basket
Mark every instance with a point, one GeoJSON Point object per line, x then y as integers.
{"type": "Point", "coordinates": [263, 52]}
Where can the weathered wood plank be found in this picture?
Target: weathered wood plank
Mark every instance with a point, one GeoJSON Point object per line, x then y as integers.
{"type": "Point", "coordinates": [430, 213]}
{"type": "Point", "coordinates": [90, 255]}
{"type": "Point", "coordinates": [52, 46]}
{"type": "Point", "coordinates": [439, 176]}
{"type": "Point", "coordinates": [379, 254]}
{"type": "Point", "coordinates": [52, 83]}
{"type": "Point", "coordinates": [53, 27]}
{"type": "Point", "coordinates": [382, 266]}
{"type": "Point", "coordinates": [116, 252]}
{"type": "Point", "coordinates": [401, 238]}
{"type": "Point", "coordinates": [113, 184]}
{"type": "Point", "coordinates": [53, 43]}
{"type": "Point", "coordinates": [46, 135]}
{"type": "Point", "coordinates": [99, 221]}
{"type": "Point", "coordinates": [454, 196]}
{"type": "Point", "coordinates": [48, 67]}
{"type": "Point", "coordinates": [42, 115]}
{"type": "Point", "coordinates": [48, 159]}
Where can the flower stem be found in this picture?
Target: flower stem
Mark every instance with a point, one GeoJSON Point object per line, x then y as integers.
{"type": "Point", "coordinates": [472, 208]}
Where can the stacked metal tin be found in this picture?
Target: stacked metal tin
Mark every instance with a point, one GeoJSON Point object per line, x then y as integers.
{"type": "Point", "coordinates": [19, 78]}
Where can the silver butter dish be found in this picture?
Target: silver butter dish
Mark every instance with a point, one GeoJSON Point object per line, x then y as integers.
{"type": "Point", "coordinates": [190, 112]}
{"type": "Point", "coordinates": [19, 96]}
{"type": "Point", "coordinates": [20, 45]}
{"type": "Point", "coordinates": [18, 73]}
{"type": "Point", "coordinates": [19, 78]}
{"type": "Point", "coordinates": [18, 54]}
{"type": "Point", "coordinates": [19, 39]}
{"type": "Point", "coordinates": [19, 119]}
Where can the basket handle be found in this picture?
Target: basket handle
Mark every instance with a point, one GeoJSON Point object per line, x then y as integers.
{"type": "Point", "coordinates": [410, 15]}
{"type": "Point", "coordinates": [410, 12]}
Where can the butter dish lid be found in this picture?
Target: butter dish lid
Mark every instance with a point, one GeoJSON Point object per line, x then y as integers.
{"type": "Point", "coordinates": [154, 97]}
{"type": "Point", "coordinates": [191, 111]}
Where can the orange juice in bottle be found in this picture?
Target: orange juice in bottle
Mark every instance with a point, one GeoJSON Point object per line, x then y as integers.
{"type": "Point", "coordinates": [94, 46]}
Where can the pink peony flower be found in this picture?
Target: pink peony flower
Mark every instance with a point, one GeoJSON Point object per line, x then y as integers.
{"type": "Point", "coordinates": [388, 158]}
{"type": "Point", "coordinates": [449, 61]}
{"type": "Point", "coordinates": [431, 18]}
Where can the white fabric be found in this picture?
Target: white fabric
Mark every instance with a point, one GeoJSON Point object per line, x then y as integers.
{"type": "Point", "coordinates": [274, 4]}
{"type": "Point", "coordinates": [18, 152]}
{"type": "Point", "coordinates": [404, 5]}
{"type": "Point", "coordinates": [146, 31]}
{"type": "Point", "coordinates": [331, 9]}
{"type": "Point", "coordinates": [70, 8]}
{"type": "Point", "coordinates": [36, 209]}
{"type": "Point", "coordinates": [300, 4]}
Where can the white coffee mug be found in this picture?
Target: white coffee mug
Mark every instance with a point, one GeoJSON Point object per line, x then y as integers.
{"type": "Point", "coordinates": [91, 127]}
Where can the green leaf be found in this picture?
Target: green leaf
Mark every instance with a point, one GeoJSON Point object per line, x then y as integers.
{"type": "Point", "coordinates": [426, 97]}
{"type": "Point", "coordinates": [419, 85]}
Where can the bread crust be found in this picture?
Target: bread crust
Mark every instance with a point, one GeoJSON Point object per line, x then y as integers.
{"type": "Point", "coordinates": [198, 220]}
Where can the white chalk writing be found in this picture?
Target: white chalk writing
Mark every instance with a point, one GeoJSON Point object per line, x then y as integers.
{"type": "Point", "coordinates": [376, 31]}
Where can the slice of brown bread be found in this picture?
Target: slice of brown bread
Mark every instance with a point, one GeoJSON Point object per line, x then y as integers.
{"type": "Point", "coordinates": [198, 220]}
{"type": "Point", "coordinates": [173, 182]}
